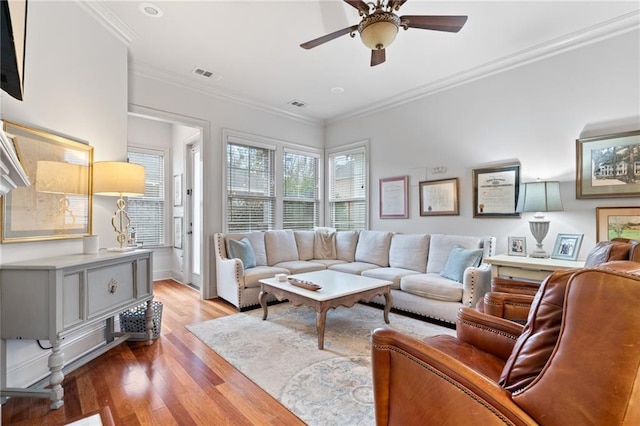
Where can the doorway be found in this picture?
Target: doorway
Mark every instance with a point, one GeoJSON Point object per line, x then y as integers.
{"type": "Point", "coordinates": [193, 215]}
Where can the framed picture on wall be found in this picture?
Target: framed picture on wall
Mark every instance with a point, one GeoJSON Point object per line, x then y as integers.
{"type": "Point", "coordinates": [439, 197]}
{"type": "Point", "coordinates": [608, 166]}
{"type": "Point", "coordinates": [177, 190]}
{"type": "Point", "coordinates": [177, 232]}
{"type": "Point", "coordinates": [394, 198]}
{"type": "Point", "coordinates": [495, 191]}
{"type": "Point", "coordinates": [617, 222]}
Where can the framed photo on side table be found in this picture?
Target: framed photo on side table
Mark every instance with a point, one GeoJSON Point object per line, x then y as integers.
{"type": "Point", "coordinates": [617, 222]}
{"type": "Point", "coordinates": [394, 202]}
{"type": "Point", "coordinates": [567, 246]}
{"type": "Point", "coordinates": [495, 191]}
{"type": "Point", "coordinates": [517, 246]}
{"type": "Point", "coordinates": [439, 197]}
{"type": "Point", "coordinates": [607, 166]}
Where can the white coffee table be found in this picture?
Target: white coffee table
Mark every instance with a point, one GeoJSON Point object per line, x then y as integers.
{"type": "Point", "coordinates": [338, 289]}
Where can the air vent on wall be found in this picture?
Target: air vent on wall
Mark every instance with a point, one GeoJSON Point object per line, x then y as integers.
{"type": "Point", "coordinates": [207, 74]}
{"type": "Point", "coordinates": [297, 103]}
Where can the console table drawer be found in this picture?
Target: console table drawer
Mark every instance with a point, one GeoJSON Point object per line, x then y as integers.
{"type": "Point", "coordinates": [109, 287]}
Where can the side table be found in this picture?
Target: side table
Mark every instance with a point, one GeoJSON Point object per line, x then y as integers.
{"type": "Point", "coordinates": [527, 268]}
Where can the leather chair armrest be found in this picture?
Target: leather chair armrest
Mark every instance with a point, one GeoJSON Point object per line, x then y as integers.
{"type": "Point", "coordinates": [448, 391]}
{"type": "Point", "coordinates": [492, 334]}
{"type": "Point", "coordinates": [511, 306]}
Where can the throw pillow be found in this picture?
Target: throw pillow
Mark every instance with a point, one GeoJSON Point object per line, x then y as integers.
{"type": "Point", "coordinates": [460, 259]}
{"type": "Point", "coordinates": [241, 249]}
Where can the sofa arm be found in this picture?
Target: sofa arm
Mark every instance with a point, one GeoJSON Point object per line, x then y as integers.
{"type": "Point", "coordinates": [492, 334]}
{"type": "Point", "coordinates": [475, 283]}
{"type": "Point", "coordinates": [229, 273]}
{"type": "Point", "coordinates": [449, 392]}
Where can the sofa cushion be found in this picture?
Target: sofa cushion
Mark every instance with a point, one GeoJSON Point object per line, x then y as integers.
{"type": "Point", "coordinates": [409, 251]}
{"type": "Point", "coordinates": [304, 241]}
{"type": "Point", "coordinates": [432, 286]}
{"type": "Point", "coordinates": [440, 246]}
{"type": "Point", "coordinates": [324, 243]}
{"type": "Point", "coordinates": [241, 249]}
{"type": "Point", "coordinates": [460, 259]}
{"type": "Point", "coordinates": [253, 275]}
{"type": "Point", "coordinates": [346, 242]}
{"type": "Point", "coordinates": [300, 266]}
{"type": "Point", "coordinates": [257, 243]}
{"type": "Point", "coordinates": [389, 274]}
{"type": "Point", "coordinates": [373, 247]}
{"type": "Point", "coordinates": [281, 246]}
{"type": "Point", "coordinates": [353, 267]}
{"type": "Point", "coordinates": [328, 262]}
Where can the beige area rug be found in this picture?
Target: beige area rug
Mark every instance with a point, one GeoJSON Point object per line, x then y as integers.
{"type": "Point", "coordinates": [328, 387]}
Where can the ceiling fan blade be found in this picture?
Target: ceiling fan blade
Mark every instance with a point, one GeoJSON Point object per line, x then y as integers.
{"type": "Point", "coordinates": [362, 7]}
{"type": "Point", "coordinates": [451, 24]}
{"type": "Point", "coordinates": [377, 57]}
{"type": "Point", "coordinates": [325, 38]}
{"type": "Point", "coordinates": [397, 4]}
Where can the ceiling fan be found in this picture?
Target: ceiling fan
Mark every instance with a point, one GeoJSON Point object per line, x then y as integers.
{"type": "Point", "coordinates": [379, 26]}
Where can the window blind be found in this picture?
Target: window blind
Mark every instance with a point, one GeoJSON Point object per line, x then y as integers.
{"type": "Point", "coordinates": [147, 212]}
{"type": "Point", "coordinates": [250, 190]}
{"type": "Point", "coordinates": [301, 201]}
{"type": "Point", "coordinates": [347, 190]}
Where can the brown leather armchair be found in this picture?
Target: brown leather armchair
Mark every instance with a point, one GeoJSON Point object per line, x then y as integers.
{"type": "Point", "coordinates": [511, 299]}
{"type": "Point", "coordinates": [576, 361]}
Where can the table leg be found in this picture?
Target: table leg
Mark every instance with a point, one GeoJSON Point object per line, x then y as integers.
{"type": "Point", "coordinates": [56, 362]}
{"type": "Point", "coordinates": [149, 321]}
{"type": "Point", "coordinates": [321, 320]}
{"type": "Point", "coordinates": [388, 301]}
{"type": "Point", "coordinates": [262, 298]}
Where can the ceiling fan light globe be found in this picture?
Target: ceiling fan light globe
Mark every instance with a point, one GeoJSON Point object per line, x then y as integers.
{"type": "Point", "coordinates": [378, 31]}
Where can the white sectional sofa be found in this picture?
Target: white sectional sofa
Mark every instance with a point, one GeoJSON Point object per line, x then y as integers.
{"type": "Point", "coordinates": [430, 273]}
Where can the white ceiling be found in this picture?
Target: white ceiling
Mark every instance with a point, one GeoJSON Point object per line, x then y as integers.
{"type": "Point", "coordinates": [254, 46]}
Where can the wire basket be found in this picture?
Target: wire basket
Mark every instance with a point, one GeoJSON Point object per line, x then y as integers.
{"type": "Point", "coordinates": [135, 321]}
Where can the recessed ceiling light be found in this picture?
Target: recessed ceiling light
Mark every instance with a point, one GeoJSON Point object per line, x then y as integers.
{"type": "Point", "coordinates": [337, 90]}
{"type": "Point", "coordinates": [151, 9]}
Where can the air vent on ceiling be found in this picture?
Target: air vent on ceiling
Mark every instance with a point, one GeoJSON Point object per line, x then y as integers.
{"type": "Point", "coordinates": [206, 74]}
{"type": "Point", "coordinates": [297, 103]}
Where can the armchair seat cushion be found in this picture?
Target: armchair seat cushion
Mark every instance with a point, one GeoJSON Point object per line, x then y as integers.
{"type": "Point", "coordinates": [480, 361]}
{"type": "Point", "coordinates": [252, 275]}
{"type": "Point", "coordinates": [432, 286]}
{"type": "Point", "coordinates": [389, 274]}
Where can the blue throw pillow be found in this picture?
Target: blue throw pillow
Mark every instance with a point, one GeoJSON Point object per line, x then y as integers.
{"type": "Point", "coordinates": [241, 249]}
{"type": "Point", "coordinates": [460, 259]}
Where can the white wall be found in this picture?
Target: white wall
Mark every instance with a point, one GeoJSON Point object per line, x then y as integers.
{"type": "Point", "coordinates": [75, 85]}
{"type": "Point", "coordinates": [532, 114]}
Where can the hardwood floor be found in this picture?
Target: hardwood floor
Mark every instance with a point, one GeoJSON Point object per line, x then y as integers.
{"type": "Point", "coordinates": [176, 381]}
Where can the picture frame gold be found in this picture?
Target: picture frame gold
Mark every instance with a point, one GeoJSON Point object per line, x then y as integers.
{"type": "Point", "coordinates": [439, 197]}
{"type": "Point", "coordinates": [617, 222]}
{"type": "Point", "coordinates": [495, 191]}
{"type": "Point", "coordinates": [608, 166]}
{"type": "Point", "coordinates": [58, 203]}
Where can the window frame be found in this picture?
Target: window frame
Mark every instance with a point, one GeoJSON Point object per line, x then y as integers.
{"type": "Point", "coordinates": [356, 147]}
{"type": "Point", "coordinates": [231, 136]}
{"type": "Point", "coordinates": [167, 227]}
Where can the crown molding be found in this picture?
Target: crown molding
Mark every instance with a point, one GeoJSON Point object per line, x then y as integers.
{"type": "Point", "coordinates": [593, 34]}
{"type": "Point", "coordinates": [156, 73]}
{"type": "Point", "coordinates": [108, 20]}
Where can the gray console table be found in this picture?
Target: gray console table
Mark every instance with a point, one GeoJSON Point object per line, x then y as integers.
{"type": "Point", "coordinates": [46, 299]}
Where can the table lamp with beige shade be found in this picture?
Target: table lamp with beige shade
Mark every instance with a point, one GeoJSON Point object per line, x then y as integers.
{"type": "Point", "coordinates": [119, 179]}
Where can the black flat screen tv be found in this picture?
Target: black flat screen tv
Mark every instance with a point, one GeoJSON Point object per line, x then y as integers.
{"type": "Point", "coordinates": [13, 29]}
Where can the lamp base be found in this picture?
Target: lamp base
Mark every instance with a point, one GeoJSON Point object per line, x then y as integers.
{"type": "Point", "coordinates": [540, 255]}
{"type": "Point", "coordinates": [121, 249]}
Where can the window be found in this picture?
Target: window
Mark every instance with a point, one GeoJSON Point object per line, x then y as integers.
{"type": "Point", "coordinates": [250, 187]}
{"type": "Point", "coordinates": [147, 213]}
{"type": "Point", "coordinates": [348, 189]}
{"type": "Point", "coordinates": [301, 201]}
